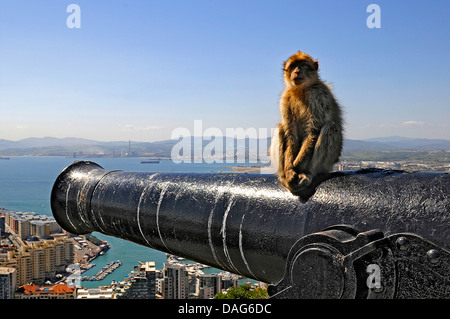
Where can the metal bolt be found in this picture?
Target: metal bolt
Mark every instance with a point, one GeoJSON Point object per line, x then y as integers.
{"type": "Point", "coordinates": [402, 243]}
{"type": "Point", "coordinates": [433, 256]}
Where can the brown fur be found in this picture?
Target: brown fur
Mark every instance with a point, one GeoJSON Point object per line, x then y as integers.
{"type": "Point", "coordinates": [308, 141]}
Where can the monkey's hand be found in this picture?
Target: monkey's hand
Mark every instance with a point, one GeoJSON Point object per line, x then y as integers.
{"type": "Point", "coordinates": [295, 181]}
{"type": "Point", "coordinates": [290, 179]}
{"type": "Point", "coordinates": [303, 158]}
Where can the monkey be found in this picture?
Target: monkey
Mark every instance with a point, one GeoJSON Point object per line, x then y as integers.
{"type": "Point", "coordinates": [308, 140]}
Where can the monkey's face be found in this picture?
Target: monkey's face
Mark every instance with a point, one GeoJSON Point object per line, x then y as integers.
{"type": "Point", "coordinates": [300, 69]}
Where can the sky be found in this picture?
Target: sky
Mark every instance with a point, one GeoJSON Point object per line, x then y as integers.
{"type": "Point", "coordinates": [139, 70]}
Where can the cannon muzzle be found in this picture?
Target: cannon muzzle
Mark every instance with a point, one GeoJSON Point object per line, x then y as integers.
{"type": "Point", "coordinates": [249, 225]}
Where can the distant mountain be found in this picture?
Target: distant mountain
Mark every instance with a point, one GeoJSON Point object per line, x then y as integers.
{"type": "Point", "coordinates": [70, 146]}
{"type": "Point", "coordinates": [389, 139]}
{"type": "Point", "coordinates": [354, 145]}
{"type": "Point", "coordinates": [32, 142]}
{"type": "Point", "coordinates": [7, 144]}
{"type": "Point", "coordinates": [398, 142]}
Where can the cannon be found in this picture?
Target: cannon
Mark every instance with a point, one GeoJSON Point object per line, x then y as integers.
{"type": "Point", "coordinates": [369, 233]}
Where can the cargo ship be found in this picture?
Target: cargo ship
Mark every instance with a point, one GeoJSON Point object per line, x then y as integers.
{"type": "Point", "coordinates": [149, 161]}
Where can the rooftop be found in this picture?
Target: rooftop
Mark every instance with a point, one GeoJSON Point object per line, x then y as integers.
{"type": "Point", "coordinates": [30, 216]}
{"type": "Point", "coordinates": [56, 289]}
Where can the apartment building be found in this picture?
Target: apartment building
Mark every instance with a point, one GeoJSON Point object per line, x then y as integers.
{"type": "Point", "coordinates": [36, 261]}
{"type": "Point", "coordinates": [175, 284]}
{"type": "Point", "coordinates": [31, 224]}
{"type": "Point", "coordinates": [140, 284]}
{"type": "Point", "coordinates": [208, 285]}
{"type": "Point", "coordinates": [2, 225]}
{"type": "Point", "coordinates": [7, 282]}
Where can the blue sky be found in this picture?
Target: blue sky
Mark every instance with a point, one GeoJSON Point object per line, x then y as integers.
{"type": "Point", "coordinates": [140, 69]}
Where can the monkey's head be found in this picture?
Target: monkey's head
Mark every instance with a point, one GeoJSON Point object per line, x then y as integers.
{"type": "Point", "coordinates": [300, 69]}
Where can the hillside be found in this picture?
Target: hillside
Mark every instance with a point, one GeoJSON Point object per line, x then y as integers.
{"type": "Point", "coordinates": [386, 148]}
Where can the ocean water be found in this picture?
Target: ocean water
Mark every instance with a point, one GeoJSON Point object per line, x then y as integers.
{"type": "Point", "coordinates": [26, 183]}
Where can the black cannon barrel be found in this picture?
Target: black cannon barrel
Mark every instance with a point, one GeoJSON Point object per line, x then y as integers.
{"type": "Point", "coordinates": [244, 223]}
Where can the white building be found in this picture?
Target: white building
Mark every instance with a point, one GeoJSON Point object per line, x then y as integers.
{"type": "Point", "coordinates": [95, 293]}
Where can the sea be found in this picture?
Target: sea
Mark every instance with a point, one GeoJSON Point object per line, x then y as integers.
{"type": "Point", "coordinates": [26, 183]}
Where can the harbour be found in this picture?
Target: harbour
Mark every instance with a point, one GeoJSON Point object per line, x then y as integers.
{"type": "Point", "coordinates": [105, 271]}
{"type": "Point", "coordinates": [30, 180]}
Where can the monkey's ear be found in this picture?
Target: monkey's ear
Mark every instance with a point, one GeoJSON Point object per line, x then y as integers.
{"type": "Point", "coordinates": [316, 64]}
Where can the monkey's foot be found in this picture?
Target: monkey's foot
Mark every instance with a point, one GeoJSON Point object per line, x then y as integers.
{"type": "Point", "coordinates": [304, 182]}
{"type": "Point", "coordinates": [299, 185]}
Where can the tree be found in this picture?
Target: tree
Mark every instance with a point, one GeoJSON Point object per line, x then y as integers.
{"type": "Point", "coordinates": [243, 292]}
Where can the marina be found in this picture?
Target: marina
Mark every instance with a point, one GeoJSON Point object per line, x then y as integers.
{"type": "Point", "coordinates": [105, 271]}
{"type": "Point", "coordinates": [18, 172]}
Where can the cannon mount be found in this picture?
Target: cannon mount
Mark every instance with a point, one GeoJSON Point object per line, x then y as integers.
{"type": "Point", "coordinates": [341, 263]}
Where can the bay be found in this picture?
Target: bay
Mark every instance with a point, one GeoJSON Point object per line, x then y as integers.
{"type": "Point", "coordinates": [26, 183]}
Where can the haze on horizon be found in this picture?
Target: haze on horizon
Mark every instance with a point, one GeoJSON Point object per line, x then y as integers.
{"type": "Point", "coordinates": [139, 70]}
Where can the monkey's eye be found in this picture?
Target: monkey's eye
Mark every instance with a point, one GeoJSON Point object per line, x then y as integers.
{"type": "Point", "coordinates": [304, 66]}
{"type": "Point", "coordinates": [292, 66]}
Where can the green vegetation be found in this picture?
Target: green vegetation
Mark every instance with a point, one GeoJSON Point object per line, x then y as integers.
{"type": "Point", "coordinates": [243, 292]}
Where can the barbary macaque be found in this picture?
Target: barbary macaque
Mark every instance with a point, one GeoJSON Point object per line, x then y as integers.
{"type": "Point", "coordinates": [308, 141]}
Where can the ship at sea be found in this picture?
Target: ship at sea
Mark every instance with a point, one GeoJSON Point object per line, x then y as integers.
{"type": "Point", "coordinates": [149, 161]}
